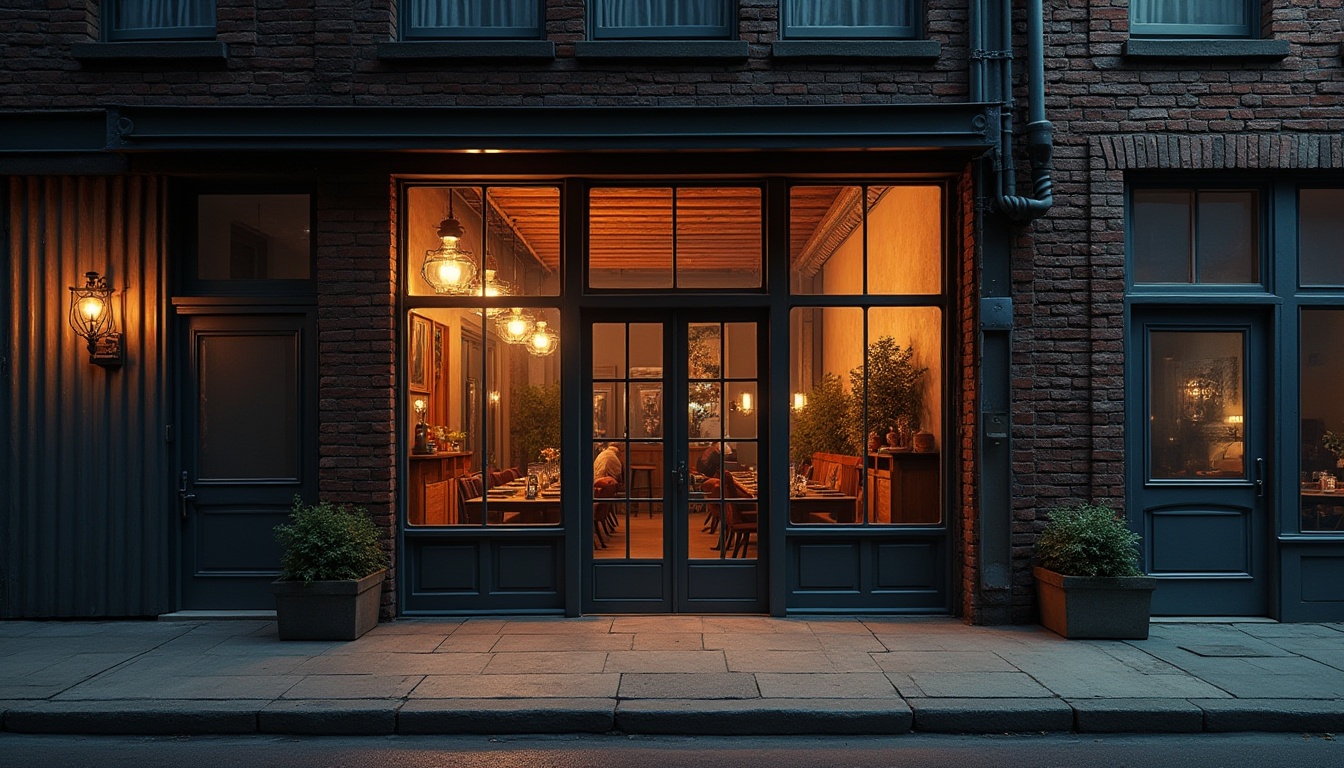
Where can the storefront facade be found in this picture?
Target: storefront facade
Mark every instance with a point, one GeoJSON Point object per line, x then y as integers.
{"type": "Point", "coordinates": [763, 321]}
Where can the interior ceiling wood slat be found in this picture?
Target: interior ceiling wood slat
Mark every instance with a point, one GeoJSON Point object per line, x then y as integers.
{"type": "Point", "coordinates": [631, 227]}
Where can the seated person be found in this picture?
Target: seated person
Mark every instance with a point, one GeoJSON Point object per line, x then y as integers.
{"type": "Point", "coordinates": [608, 464]}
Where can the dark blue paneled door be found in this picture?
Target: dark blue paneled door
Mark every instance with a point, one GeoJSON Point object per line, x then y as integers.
{"type": "Point", "coordinates": [246, 449]}
{"type": "Point", "coordinates": [1198, 430]}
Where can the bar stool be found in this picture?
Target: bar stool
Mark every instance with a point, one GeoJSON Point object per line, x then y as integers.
{"type": "Point", "coordinates": [641, 479]}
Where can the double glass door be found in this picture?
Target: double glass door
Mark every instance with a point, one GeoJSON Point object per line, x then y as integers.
{"type": "Point", "coordinates": [679, 461]}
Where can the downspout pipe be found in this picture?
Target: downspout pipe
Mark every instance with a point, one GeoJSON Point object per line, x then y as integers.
{"type": "Point", "coordinates": [1040, 144]}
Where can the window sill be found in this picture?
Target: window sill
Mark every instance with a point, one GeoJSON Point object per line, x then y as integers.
{"type": "Point", "coordinates": [1148, 48]}
{"type": "Point", "coordinates": [157, 50]}
{"type": "Point", "coordinates": [529, 50]}
{"type": "Point", "coordinates": [857, 49]}
{"type": "Point", "coordinates": [661, 49]}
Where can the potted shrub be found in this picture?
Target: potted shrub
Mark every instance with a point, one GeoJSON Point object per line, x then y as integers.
{"type": "Point", "coordinates": [1088, 584]}
{"type": "Point", "coordinates": [332, 571]}
{"type": "Point", "coordinates": [895, 392]}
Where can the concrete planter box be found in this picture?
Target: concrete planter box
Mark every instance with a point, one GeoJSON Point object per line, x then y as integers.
{"type": "Point", "coordinates": [327, 610]}
{"type": "Point", "coordinates": [1080, 607]}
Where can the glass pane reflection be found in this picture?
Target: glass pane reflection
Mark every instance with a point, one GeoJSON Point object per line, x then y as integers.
{"type": "Point", "coordinates": [1196, 416]}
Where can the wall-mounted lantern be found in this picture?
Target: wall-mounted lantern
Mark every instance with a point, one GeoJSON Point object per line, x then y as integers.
{"type": "Point", "coordinates": [92, 317]}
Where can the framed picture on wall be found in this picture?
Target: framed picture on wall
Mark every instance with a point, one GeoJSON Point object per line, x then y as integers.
{"type": "Point", "coordinates": [602, 405]}
{"type": "Point", "coordinates": [417, 357]}
{"type": "Point", "coordinates": [646, 410]}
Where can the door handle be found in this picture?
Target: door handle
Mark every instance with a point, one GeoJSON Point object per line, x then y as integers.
{"type": "Point", "coordinates": [1260, 478]}
{"type": "Point", "coordinates": [683, 477]}
{"type": "Point", "coordinates": [184, 497]}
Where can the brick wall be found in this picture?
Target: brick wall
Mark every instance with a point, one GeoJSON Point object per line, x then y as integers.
{"type": "Point", "coordinates": [325, 52]}
{"type": "Point", "coordinates": [356, 327]}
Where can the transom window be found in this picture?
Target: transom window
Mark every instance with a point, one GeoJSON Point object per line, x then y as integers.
{"type": "Point", "coordinates": [1191, 18]}
{"type": "Point", "coordinates": [845, 18]}
{"type": "Point", "coordinates": [680, 19]}
{"type": "Point", "coordinates": [1202, 237]}
{"type": "Point", "coordinates": [161, 19]}
{"type": "Point", "coordinates": [473, 18]}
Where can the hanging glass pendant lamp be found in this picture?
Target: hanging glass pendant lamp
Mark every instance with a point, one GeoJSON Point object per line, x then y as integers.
{"type": "Point", "coordinates": [543, 341]}
{"type": "Point", "coordinates": [515, 326]}
{"type": "Point", "coordinates": [450, 268]}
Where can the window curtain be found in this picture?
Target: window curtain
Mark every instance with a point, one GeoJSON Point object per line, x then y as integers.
{"type": "Point", "coordinates": [474, 13]}
{"type": "Point", "coordinates": [849, 13]}
{"type": "Point", "coordinates": [165, 14]}
{"type": "Point", "coordinates": [1219, 12]}
{"type": "Point", "coordinates": [662, 13]}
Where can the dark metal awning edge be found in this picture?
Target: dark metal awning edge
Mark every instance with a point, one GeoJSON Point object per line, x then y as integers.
{"type": "Point", "coordinates": [131, 129]}
{"type": "Point", "coordinates": [78, 138]}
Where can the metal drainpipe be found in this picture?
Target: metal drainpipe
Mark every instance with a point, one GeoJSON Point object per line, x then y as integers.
{"type": "Point", "coordinates": [1040, 146]}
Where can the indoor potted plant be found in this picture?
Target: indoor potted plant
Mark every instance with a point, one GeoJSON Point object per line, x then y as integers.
{"type": "Point", "coordinates": [332, 570]}
{"type": "Point", "coordinates": [1088, 584]}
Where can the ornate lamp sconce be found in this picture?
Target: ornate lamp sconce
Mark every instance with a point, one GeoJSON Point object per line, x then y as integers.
{"type": "Point", "coordinates": [92, 317]}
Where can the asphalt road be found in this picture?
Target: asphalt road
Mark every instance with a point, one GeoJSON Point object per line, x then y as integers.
{"type": "Point", "coordinates": [908, 751]}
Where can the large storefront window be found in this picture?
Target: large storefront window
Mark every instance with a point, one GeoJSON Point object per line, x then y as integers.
{"type": "Point", "coordinates": [1322, 449]}
{"type": "Point", "coordinates": [866, 381]}
{"type": "Point", "coordinates": [482, 359]}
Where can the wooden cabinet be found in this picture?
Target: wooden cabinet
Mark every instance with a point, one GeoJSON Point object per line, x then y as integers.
{"type": "Point", "coordinates": [432, 494]}
{"type": "Point", "coordinates": [903, 488]}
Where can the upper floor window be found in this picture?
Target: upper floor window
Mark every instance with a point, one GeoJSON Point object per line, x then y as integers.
{"type": "Point", "coordinates": [474, 18]}
{"type": "Point", "coordinates": [1191, 18]}
{"type": "Point", "coordinates": [1199, 237]}
{"type": "Point", "coordinates": [680, 19]}
{"type": "Point", "coordinates": [161, 19]}
{"type": "Point", "coordinates": [846, 18]}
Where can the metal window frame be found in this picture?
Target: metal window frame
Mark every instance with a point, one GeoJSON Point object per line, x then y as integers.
{"type": "Point", "coordinates": [1264, 285]}
{"type": "Point", "coordinates": [112, 34]}
{"type": "Point", "coordinates": [914, 30]}
{"type": "Point", "coordinates": [727, 31]}
{"type": "Point", "coordinates": [535, 32]}
{"type": "Point", "coordinates": [1250, 29]}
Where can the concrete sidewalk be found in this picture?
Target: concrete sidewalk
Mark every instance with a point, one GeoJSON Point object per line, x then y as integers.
{"type": "Point", "coordinates": [666, 674]}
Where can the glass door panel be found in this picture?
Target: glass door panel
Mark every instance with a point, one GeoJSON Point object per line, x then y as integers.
{"type": "Point", "coordinates": [627, 441]}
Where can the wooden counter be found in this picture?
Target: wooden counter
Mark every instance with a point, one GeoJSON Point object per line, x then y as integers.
{"type": "Point", "coordinates": [903, 488]}
{"type": "Point", "coordinates": [431, 488]}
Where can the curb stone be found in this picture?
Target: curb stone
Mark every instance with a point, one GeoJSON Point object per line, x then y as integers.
{"type": "Point", "coordinates": [991, 715]}
{"type": "Point", "coordinates": [322, 717]}
{"type": "Point", "coordinates": [511, 716]}
{"type": "Point", "coordinates": [1136, 716]}
{"type": "Point", "coordinates": [1274, 715]}
{"type": "Point", "coordinates": [139, 718]}
{"type": "Point", "coordinates": [763, 717]}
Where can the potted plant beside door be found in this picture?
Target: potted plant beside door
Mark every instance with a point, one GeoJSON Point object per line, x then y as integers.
{"type": "Point", "coordinates": [333, 569]}
{"type": "Point", "coordinates": [1088, 584]}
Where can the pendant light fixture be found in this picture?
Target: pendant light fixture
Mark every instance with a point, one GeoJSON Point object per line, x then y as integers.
{"type": "Point", "coordinates": [543, 341]}
{"type": "Point", "coordinates": [515, 326]}
{"type": "Point", "coordinates": [450, 268]}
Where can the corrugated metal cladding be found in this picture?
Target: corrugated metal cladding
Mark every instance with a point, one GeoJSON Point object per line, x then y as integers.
{"type": "Point", "coordinates": [87, 524]}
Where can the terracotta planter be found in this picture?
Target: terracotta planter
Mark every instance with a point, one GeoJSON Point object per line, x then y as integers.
{"type": "Point", "coordinates": [1080, 607]}
{"type": "Point", "coordinates": [327, 610]}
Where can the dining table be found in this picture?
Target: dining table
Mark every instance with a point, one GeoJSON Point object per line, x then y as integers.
{"type": "Point", "coordinates": [509, 503]}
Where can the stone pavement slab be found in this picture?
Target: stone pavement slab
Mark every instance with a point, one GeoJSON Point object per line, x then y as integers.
{"type": "Point", "coordinates": [673, 674]}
